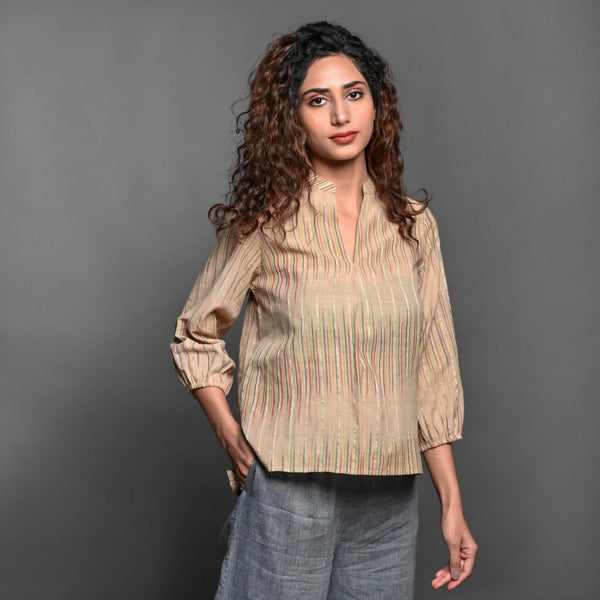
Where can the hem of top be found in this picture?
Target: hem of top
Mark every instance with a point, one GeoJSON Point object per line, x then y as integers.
{"type": "Point", "coordinates": [447, 440]}
{"type": "Point", "coordinates": [302, 470]}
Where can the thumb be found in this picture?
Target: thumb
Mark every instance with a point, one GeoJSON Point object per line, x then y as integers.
{"type": "Point", "coordinates": [455, 562]}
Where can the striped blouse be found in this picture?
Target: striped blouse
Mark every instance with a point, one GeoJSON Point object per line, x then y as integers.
{"type": "Point", "coordinates": [346, 364]}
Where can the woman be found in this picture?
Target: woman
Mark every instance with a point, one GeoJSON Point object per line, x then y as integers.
{"type": "Point", "coordinates": [347, 368]}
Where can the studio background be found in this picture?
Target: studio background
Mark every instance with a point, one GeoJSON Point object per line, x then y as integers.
{"type": "Point", "coordinates": [116, 135]}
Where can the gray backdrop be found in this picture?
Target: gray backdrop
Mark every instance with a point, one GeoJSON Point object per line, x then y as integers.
{"type": "Point", "coordinates": [116, 135]}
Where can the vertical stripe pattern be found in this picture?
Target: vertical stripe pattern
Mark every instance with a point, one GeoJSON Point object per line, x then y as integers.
{"type": "Point", "coordinates": [346, 364]}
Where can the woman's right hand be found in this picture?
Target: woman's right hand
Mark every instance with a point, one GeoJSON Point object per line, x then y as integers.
{"type": "Point", "coordinates": [239, 451]}
{"type": "Point", "coordinates": [227, 429]}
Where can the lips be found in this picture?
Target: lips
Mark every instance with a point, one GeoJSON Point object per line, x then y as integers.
{"type": "Point", "coordinates": [344, 137]}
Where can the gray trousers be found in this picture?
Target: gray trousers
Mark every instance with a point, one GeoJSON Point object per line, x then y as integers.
{"type": "Point", "coordinates": [320, 536]}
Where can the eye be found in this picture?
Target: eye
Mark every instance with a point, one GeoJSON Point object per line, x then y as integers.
{"type": "Point", "coordinates": [355, 95]}
{"type": "Point", "coordinates": [318, 101]}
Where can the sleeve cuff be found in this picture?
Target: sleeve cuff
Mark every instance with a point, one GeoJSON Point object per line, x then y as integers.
{"type": "Point", "coordinates": [224, 384]}
{"type": "Point", "coordinates": [428, 444]}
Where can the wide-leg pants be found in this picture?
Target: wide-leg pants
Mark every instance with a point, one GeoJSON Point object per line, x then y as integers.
{"type": "Point", "coordinates": [320, 536]}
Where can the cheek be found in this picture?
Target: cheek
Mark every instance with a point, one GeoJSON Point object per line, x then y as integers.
{"type": "Point", "coordinates": [311, 129]}
{"type": "Point", "coordinates": [304, 122]}
{"type": "Point", "coordinates": [311, 122]}
{"type": "Point", "coordinates": [370, 124]}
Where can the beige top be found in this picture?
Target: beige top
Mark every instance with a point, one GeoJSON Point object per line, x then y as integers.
{"type": "Point", "coordinates": [345, 365]}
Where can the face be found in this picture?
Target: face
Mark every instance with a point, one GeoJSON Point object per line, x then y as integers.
{"type": "Point", "coordinates": [336, 110]}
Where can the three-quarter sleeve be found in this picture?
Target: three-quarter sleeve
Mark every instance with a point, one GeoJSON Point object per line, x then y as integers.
{"type": "Point", "coordinates": [213, 305]}
{"type": "Point", "coordinates": [439, 385]}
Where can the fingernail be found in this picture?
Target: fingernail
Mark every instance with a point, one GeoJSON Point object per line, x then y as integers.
{"type": "Point", "coordinates": [455, 575]}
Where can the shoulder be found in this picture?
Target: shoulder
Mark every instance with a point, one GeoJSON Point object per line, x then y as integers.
{"type": "Point", "coordinates": [228, 237]}
{"type": "Point", "coordinates": [231, 245]}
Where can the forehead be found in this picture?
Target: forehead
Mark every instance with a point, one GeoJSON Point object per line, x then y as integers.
{"type": "Point", "coordinates": [331, 71]}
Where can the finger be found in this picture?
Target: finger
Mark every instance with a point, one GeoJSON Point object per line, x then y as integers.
{"type": "Point", "coordinates": [436, 584]}
{"type": "Point", "coordinates": [241, 480]}
{"type": "Point", "coordinates": [233, 482]}
{"type": "Point", "coordinates": [243, 468]}
{"type": "Point", "coordinates": [465, 574]}
{"type": "Point", "coordinates": [468, 564]}
{"type": "Point", "coordinates": [455, 561]}
{"type": "Point", "coordinates": [469, 551]}
{"type": "Point", "coordinates": [241, 475]}
{"type": "Point", "coordinates": [442, 577]}
{"type": "Point", "coordinates": [456, 582]}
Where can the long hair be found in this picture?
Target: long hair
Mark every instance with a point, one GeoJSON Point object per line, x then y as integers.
{"type": "Point", "coordinates": [273, 162]}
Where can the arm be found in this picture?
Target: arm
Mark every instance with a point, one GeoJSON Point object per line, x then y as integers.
{"type": "Point", "coordinates": [198, 350]}
{"type": "Point", "coordinates": [441, 407]}
{"type": "Point", "coordinates": [458, 538]}
{"type": "Point", "coordinates": [227, 429]}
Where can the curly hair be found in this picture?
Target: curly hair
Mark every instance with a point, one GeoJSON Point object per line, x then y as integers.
{"type": "Point", "coordinates": [273, 165]}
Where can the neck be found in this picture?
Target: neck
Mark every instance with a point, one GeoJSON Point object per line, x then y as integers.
{"type": "Point", "coordinates": [348, 176]}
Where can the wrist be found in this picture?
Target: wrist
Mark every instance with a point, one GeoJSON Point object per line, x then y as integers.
{"type": "Point", "coordinates": [450, 499]}
{"type": "Point", "coordinates": [226, 429]}
{"type": "Point", "coordinates": [451, 508]}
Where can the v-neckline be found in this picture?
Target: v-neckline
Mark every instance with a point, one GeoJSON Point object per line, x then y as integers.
{"type": "Point", "coordinates": [349, 254]}
{"type": "Point", "coordinates": [328, 188]}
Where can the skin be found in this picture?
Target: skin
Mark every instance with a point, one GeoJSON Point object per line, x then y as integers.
{"type": "Point", "coordinates": [462, 547]}
{"type": "Point", "coordinates": [334, 98]}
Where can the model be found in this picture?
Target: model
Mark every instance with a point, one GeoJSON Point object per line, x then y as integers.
{"type": "Point", "coordinates": [348, 370]}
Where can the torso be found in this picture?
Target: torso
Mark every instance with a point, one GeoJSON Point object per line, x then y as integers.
{"type": "Point", "coordinates": [347, 227]}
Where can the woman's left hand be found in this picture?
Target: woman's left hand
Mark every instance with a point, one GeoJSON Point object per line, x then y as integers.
{"type": "Point", "coordinates": [462, 548]}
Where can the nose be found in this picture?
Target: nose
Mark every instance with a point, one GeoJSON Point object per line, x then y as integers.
{"type": "Point", "coordinates": [339, 114]}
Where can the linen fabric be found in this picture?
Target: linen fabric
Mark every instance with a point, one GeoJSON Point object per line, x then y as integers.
{"type": "Point", "coordinates": [320, 536]}
{"type": "Point", "coordinates": [347, 363]}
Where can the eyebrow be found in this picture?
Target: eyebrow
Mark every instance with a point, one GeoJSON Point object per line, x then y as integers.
{"type": "Point", "coordinates": [325, 90]}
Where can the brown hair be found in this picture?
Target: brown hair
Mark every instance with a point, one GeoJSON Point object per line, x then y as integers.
{"type": "Point", "coordinates": [273, 162]}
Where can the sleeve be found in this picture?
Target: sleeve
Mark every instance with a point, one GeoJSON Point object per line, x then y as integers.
{"type": "Point", "coordinates": [440, 392]}
{"type": "Point", "coordinates": [213, 305]}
